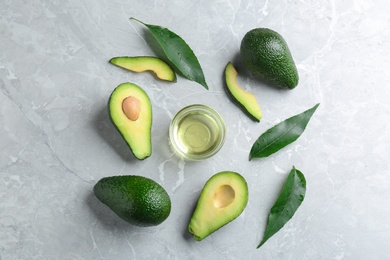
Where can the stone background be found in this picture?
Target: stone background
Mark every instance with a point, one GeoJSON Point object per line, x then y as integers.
{"type": "Point", "coordinates": [57, 141]}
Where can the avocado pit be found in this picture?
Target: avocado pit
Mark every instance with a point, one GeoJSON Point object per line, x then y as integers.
{"type": "Point", "coordinates": [224, 196]}
{"type": "Point", "coordinates": [131, 108]}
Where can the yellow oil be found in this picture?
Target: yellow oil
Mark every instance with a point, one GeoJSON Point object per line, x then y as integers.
{"type": "Point", "coordinates": [197, 133]}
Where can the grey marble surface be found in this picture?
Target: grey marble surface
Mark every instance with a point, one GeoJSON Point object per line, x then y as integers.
{"type": "Point", "coordinates": [57, 141]}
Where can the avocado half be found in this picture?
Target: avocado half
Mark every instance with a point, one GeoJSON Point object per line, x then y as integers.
{"type": "Point", "coordinates": [245, 100]}
{"type": "Point", "coordinates": [130, 110]}
{"type": "Point", "coordinates": [223, 198]}
{"type": "Point", "coordinates": [146, 63]}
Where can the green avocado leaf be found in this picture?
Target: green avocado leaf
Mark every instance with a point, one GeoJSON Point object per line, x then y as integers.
{"type": "Point", "coordinates": [289, 200]}
{"type": "Point", "coordinates": [178, 52]}
{"type": "Point", "coordinates": [281, 134]}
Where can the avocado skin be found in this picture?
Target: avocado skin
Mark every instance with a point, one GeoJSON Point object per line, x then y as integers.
{"type": "Point", "coordinates": [266, 54]}
{"type": "Point", "coordinates": [138, 200]}
{"type": "Point", "coordinates": [242, 107]}
{"type": "Point", "coordinates": [243, 104]}
{"type": "Point", "coordinates": [204, 221]}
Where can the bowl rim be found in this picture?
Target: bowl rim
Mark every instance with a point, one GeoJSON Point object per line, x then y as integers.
{"type": "Point", "coordinates": [216, 116]}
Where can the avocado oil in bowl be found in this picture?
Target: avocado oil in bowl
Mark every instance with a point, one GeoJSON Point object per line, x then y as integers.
{"type": "Point", "coordinates": [197, 132]}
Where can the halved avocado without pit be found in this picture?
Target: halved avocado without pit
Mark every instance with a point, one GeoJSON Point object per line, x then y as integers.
{"type": "Point", "coordinates": [146, 63]}
{"type": "Point", "coordinates": [223, 198]}
{"type": "Point", "coordinates": [245, 100]}
{"type": "Point", "coordinates": [130, 110]}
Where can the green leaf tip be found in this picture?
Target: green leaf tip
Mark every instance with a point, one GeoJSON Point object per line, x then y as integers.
{"type": "Point", "coordinates": [281, 135]}
{"type": "Point", "coordinates": [290, 198]}
{"type": "Point", "coordinates": [133, 18]}
{"type": "Point", "coordinates": [178, 53]}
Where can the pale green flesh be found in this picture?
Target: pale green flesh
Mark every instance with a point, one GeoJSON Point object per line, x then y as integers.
{"type": "Point", "coordinates": [145, 63]}
{"type": "Point", "coordinates": [246, 100]}
{"type": "Point", "coordinates": [223, 198]}
{"type": "Point", "coordinates": [137, 134]}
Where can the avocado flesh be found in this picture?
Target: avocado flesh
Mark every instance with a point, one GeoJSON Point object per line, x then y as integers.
{"type": "Point", "coordinates": [265, 53]}
{"type": "Point", "coordinates": [145, 63]}
{"type": "Point", "coordinates": [223, 198]}
{"type": "Point", "coordinates": [137, 133]}
{"type": "Point", "coordinates": [245, 100]}
{"type": "Point", "coordinates": [138, 200]}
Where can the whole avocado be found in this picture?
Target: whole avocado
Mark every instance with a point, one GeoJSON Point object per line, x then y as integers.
{"type": "Point", "coordinates": [265, 53]}
{"type": "Point", "coordinates": [136, 199]}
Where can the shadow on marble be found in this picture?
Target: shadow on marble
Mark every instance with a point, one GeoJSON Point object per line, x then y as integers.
{"type": "Point", "coordinates": [107, 131]}
{"type": "Point", "coordinates": [186, 234]}
{"type": "Point", "coordinates": [109, 220]}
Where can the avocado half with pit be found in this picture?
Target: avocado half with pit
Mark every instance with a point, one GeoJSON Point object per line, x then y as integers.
{"type": "Point", "coordinates": [223, 198]}
{"type": "Point", "coordinates": [245, 100]}
{"type": "Point", "coordinates": [130, 110]}
{"type": "Point", "coordinates": [146, 63]}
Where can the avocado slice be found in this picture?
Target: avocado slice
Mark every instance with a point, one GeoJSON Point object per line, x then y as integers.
{"type": "Point", "coordinates": [146, 63]}
{"type": "Point", "coordinates": [131, 112]}
{"type": "Point", "coordinates": [245, 100]}
{"type": "Point", "coordinates": [138, 200]}
{"type": "Point", "coordinates": [223, 198]}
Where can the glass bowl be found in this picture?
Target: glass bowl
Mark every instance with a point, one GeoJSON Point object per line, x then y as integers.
{"type": "Point", "coordinates": [197, 132]}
